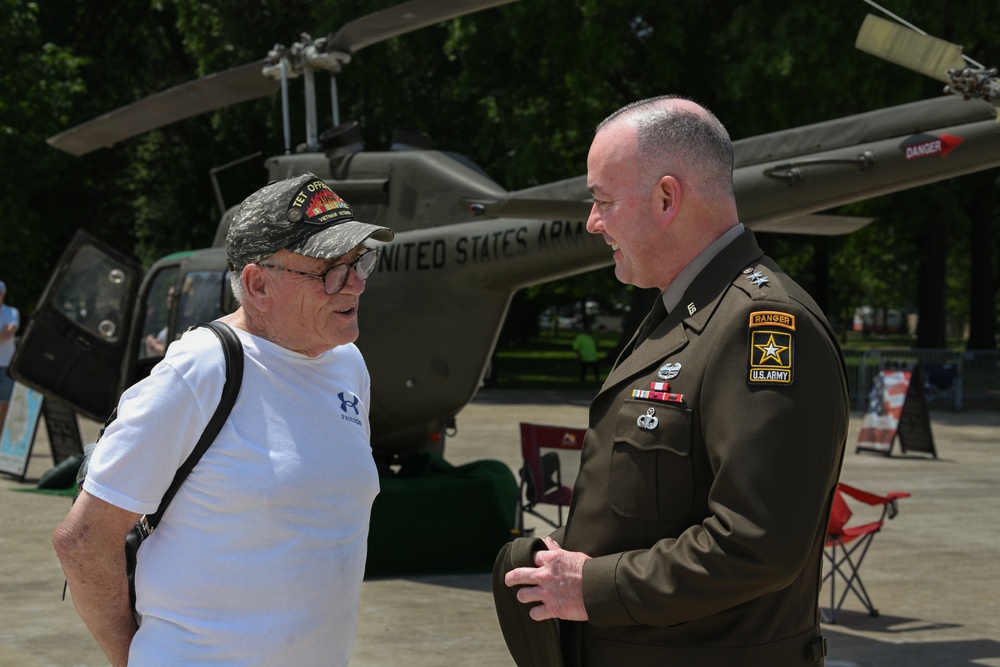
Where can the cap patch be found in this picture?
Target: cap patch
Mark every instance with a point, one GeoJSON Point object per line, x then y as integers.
{"type": "Point", "coordinates": [301, 214]}
{"type": "Point", "coordinates": [771, 348]}
{"type": "Point", "coordinates": [316, 204]}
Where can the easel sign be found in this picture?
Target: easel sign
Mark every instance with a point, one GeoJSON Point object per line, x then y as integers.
{"type": "Point", "coordinates": [19, 430]}
{"type": "Point", "coordinates": [63, 430]}
{"type": "Point", "coordinates": [896, 406]}
{"type": "Point", "coordinates": [915, 423]}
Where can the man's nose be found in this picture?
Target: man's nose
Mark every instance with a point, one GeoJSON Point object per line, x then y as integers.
{"type": "Point", "coordinates": [354, 284]}
{"type": "Point", "coordinates": [594, 223]}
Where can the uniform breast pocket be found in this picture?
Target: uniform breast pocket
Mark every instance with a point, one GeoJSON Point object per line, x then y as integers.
{"type": "Point", "coordinates": [651, 477]}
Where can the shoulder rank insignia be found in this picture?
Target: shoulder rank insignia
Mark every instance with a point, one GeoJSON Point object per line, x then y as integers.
{"type": "Point", "coordinates": [771, 348]}
{"type": "Point", "coordinates": [756, 277]}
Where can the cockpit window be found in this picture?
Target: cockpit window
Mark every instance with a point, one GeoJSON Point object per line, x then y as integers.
{"type": "Point", "coordinates": [160, 302]}
{"type": "Point", "coordinates": [200, 299]}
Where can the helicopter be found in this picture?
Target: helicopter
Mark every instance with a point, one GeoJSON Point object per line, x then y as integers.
{"type": "Point", "coordinates": [463, 244]}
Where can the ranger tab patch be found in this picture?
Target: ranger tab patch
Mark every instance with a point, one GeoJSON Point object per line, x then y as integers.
{"type": "Point", "coordinates": [770, 348]}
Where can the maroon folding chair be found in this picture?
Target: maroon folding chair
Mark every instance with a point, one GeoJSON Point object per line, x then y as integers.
{"type": "Point", "coordinates": [541, 475]}
{"type": "Point", "coordinates": [845, 561]}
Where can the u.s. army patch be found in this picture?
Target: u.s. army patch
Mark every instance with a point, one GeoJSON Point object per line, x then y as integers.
{"type": "Point", "coordinates": [771, 348]}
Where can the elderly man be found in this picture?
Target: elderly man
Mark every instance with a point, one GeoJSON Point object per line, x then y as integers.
{"type": "Point", "coordinates": [260, 556]}
{"type": "Point", "coordinates": [696, 530]}
{"type": "Point", "coordinates": [10, 319]}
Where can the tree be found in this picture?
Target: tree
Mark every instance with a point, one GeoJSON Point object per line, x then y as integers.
{"type": "Point", "coordinates": [40, 83]}
{"type": "Point", "coordinates": [517, 88]}
{"type": "Point", "coordinates": [972, 291]}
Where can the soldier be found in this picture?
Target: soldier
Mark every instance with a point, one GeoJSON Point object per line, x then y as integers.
{"type": "Point", "coordinates": [696, 530]}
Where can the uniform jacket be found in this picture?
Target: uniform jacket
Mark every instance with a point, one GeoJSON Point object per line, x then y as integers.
{"type": "Point", "coordinates": [705, 507]}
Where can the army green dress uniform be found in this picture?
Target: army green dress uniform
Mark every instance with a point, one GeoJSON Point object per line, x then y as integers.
{"type": "Point", "coordinates": [706, 479]}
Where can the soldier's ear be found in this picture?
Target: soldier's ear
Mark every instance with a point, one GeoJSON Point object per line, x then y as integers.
{"type": "Point", "coordinates": [667, 194]}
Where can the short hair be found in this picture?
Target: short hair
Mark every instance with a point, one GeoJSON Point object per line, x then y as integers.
{"type": "Point", "coordinates": [236, 285]}
{"type": "Point", "coordinates": [668, 136]}
{"type": "Point", "coordinates": [236, 279]}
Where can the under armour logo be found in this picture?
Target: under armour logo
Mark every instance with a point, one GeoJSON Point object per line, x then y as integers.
{"type": "Point", "coordinates": [346, 403]}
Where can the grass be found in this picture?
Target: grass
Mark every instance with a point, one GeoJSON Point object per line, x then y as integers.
{"type": "Point", "coordinates": [548, 362]}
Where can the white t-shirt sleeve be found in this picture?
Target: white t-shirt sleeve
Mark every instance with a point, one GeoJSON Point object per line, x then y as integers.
{"type": "Point", "coordinates": [159, 421]}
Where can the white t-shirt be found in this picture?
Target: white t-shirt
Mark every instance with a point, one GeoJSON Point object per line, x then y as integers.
{"type": "Point", "coordinates": [8, 315]}
{"type": "Point", "coordinates": [259, 558]}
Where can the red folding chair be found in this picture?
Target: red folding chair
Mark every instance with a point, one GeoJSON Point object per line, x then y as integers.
{"type": "Point", "coordinates": [541, 475]}
{"type": "Point", "coordinates": [845, 561]}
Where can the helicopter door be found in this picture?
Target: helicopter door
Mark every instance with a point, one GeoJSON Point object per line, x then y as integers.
{"type": "Point", "coordinates": [74, 343]}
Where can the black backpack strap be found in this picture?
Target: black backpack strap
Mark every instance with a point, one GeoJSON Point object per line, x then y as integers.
{"type": "Point", "coordinates": [232, 348]}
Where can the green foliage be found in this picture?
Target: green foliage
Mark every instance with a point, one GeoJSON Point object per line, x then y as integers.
{"type": "Point", "coordinates": [548, 361]}
{"type": "Point", "coordinates": [518, 89]}
{"type": "Point", "coordinates": [40, 83]}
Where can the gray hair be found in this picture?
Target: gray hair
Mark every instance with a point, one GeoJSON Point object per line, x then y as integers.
{"type": "Point", "coordinates": [236, 285]}
{"type": "Point", "coordinates": [671, 137]}
{"type": "Point", "coordinates": [236, 278]}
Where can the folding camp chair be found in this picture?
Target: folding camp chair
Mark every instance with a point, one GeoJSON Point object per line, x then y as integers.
{"type": "Point", "coordinates": [943, 381]}
{"type": "Point", "coordinates": [541, 475]}
{"type": "Point", "coordinates": [845, 562]}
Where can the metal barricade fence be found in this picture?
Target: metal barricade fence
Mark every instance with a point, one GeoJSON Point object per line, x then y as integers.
{"type": "Point", "coordinates": [951, 377]}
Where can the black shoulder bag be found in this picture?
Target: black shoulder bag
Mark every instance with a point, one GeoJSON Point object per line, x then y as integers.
{"type": "Point", "coordinates": [233, 351]}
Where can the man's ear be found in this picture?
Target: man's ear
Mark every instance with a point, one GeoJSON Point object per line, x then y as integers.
{"type": "Point", "coordinates": [668, 194]}
{"type": "Point", "coordinates": [256, 284]}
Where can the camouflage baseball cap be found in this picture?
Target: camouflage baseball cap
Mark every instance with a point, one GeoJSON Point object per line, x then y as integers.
{"type": "Point", "coordinates": [302, 214]}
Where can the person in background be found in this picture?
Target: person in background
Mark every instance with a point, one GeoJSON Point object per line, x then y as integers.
{"type": "Point", "coordinates": [10, 320]}
{"type": "Point", "coordinates": [696, 530]}
{"type": "Point", "coordinates": [586, 351]}
{"type": "Point", "coordinates": [259, 558]}
{"type": "Point", "coordinates": [156, 345]}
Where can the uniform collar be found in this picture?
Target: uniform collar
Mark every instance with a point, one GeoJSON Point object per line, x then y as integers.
{"type": "Point", "coordinates": [672, 295]}
{"type": "Point", "coordinates": [698, 303]}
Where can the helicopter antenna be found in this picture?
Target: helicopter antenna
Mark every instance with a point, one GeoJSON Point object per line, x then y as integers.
{"type": "Point", "coordinates": [285, 119]}
{"type": "Point", "coordinates": [312, 131]}
{"type": "Point", "coordinates": [215, 181]}
{"type": "Point", "coordinates": [334, 100]}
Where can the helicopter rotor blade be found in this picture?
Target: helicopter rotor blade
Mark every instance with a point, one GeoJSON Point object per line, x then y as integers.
{"type": "Point", "coordinates": [401, 19]}
{"type": "Point", "coordinates": [904, 46]}
{"type": "Point", "coordinates": [239, 84]}
{"type": "Point", "coordinates": [247, 82]}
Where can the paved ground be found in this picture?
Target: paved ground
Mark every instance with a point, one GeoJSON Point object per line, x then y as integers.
{"type": "Point", "coordinates": [933, 572]}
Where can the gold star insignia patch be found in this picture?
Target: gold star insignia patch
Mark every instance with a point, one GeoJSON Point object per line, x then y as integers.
{"type": "Point", "coordinates": [770, 348]}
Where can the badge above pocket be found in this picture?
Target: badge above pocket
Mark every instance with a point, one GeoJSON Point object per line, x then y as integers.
{"type": "Point", "coordinates": [650, 476]}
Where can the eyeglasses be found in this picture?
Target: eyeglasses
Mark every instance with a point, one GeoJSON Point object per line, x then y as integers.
{"type": "Point", "coordinates": [335, 277]}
